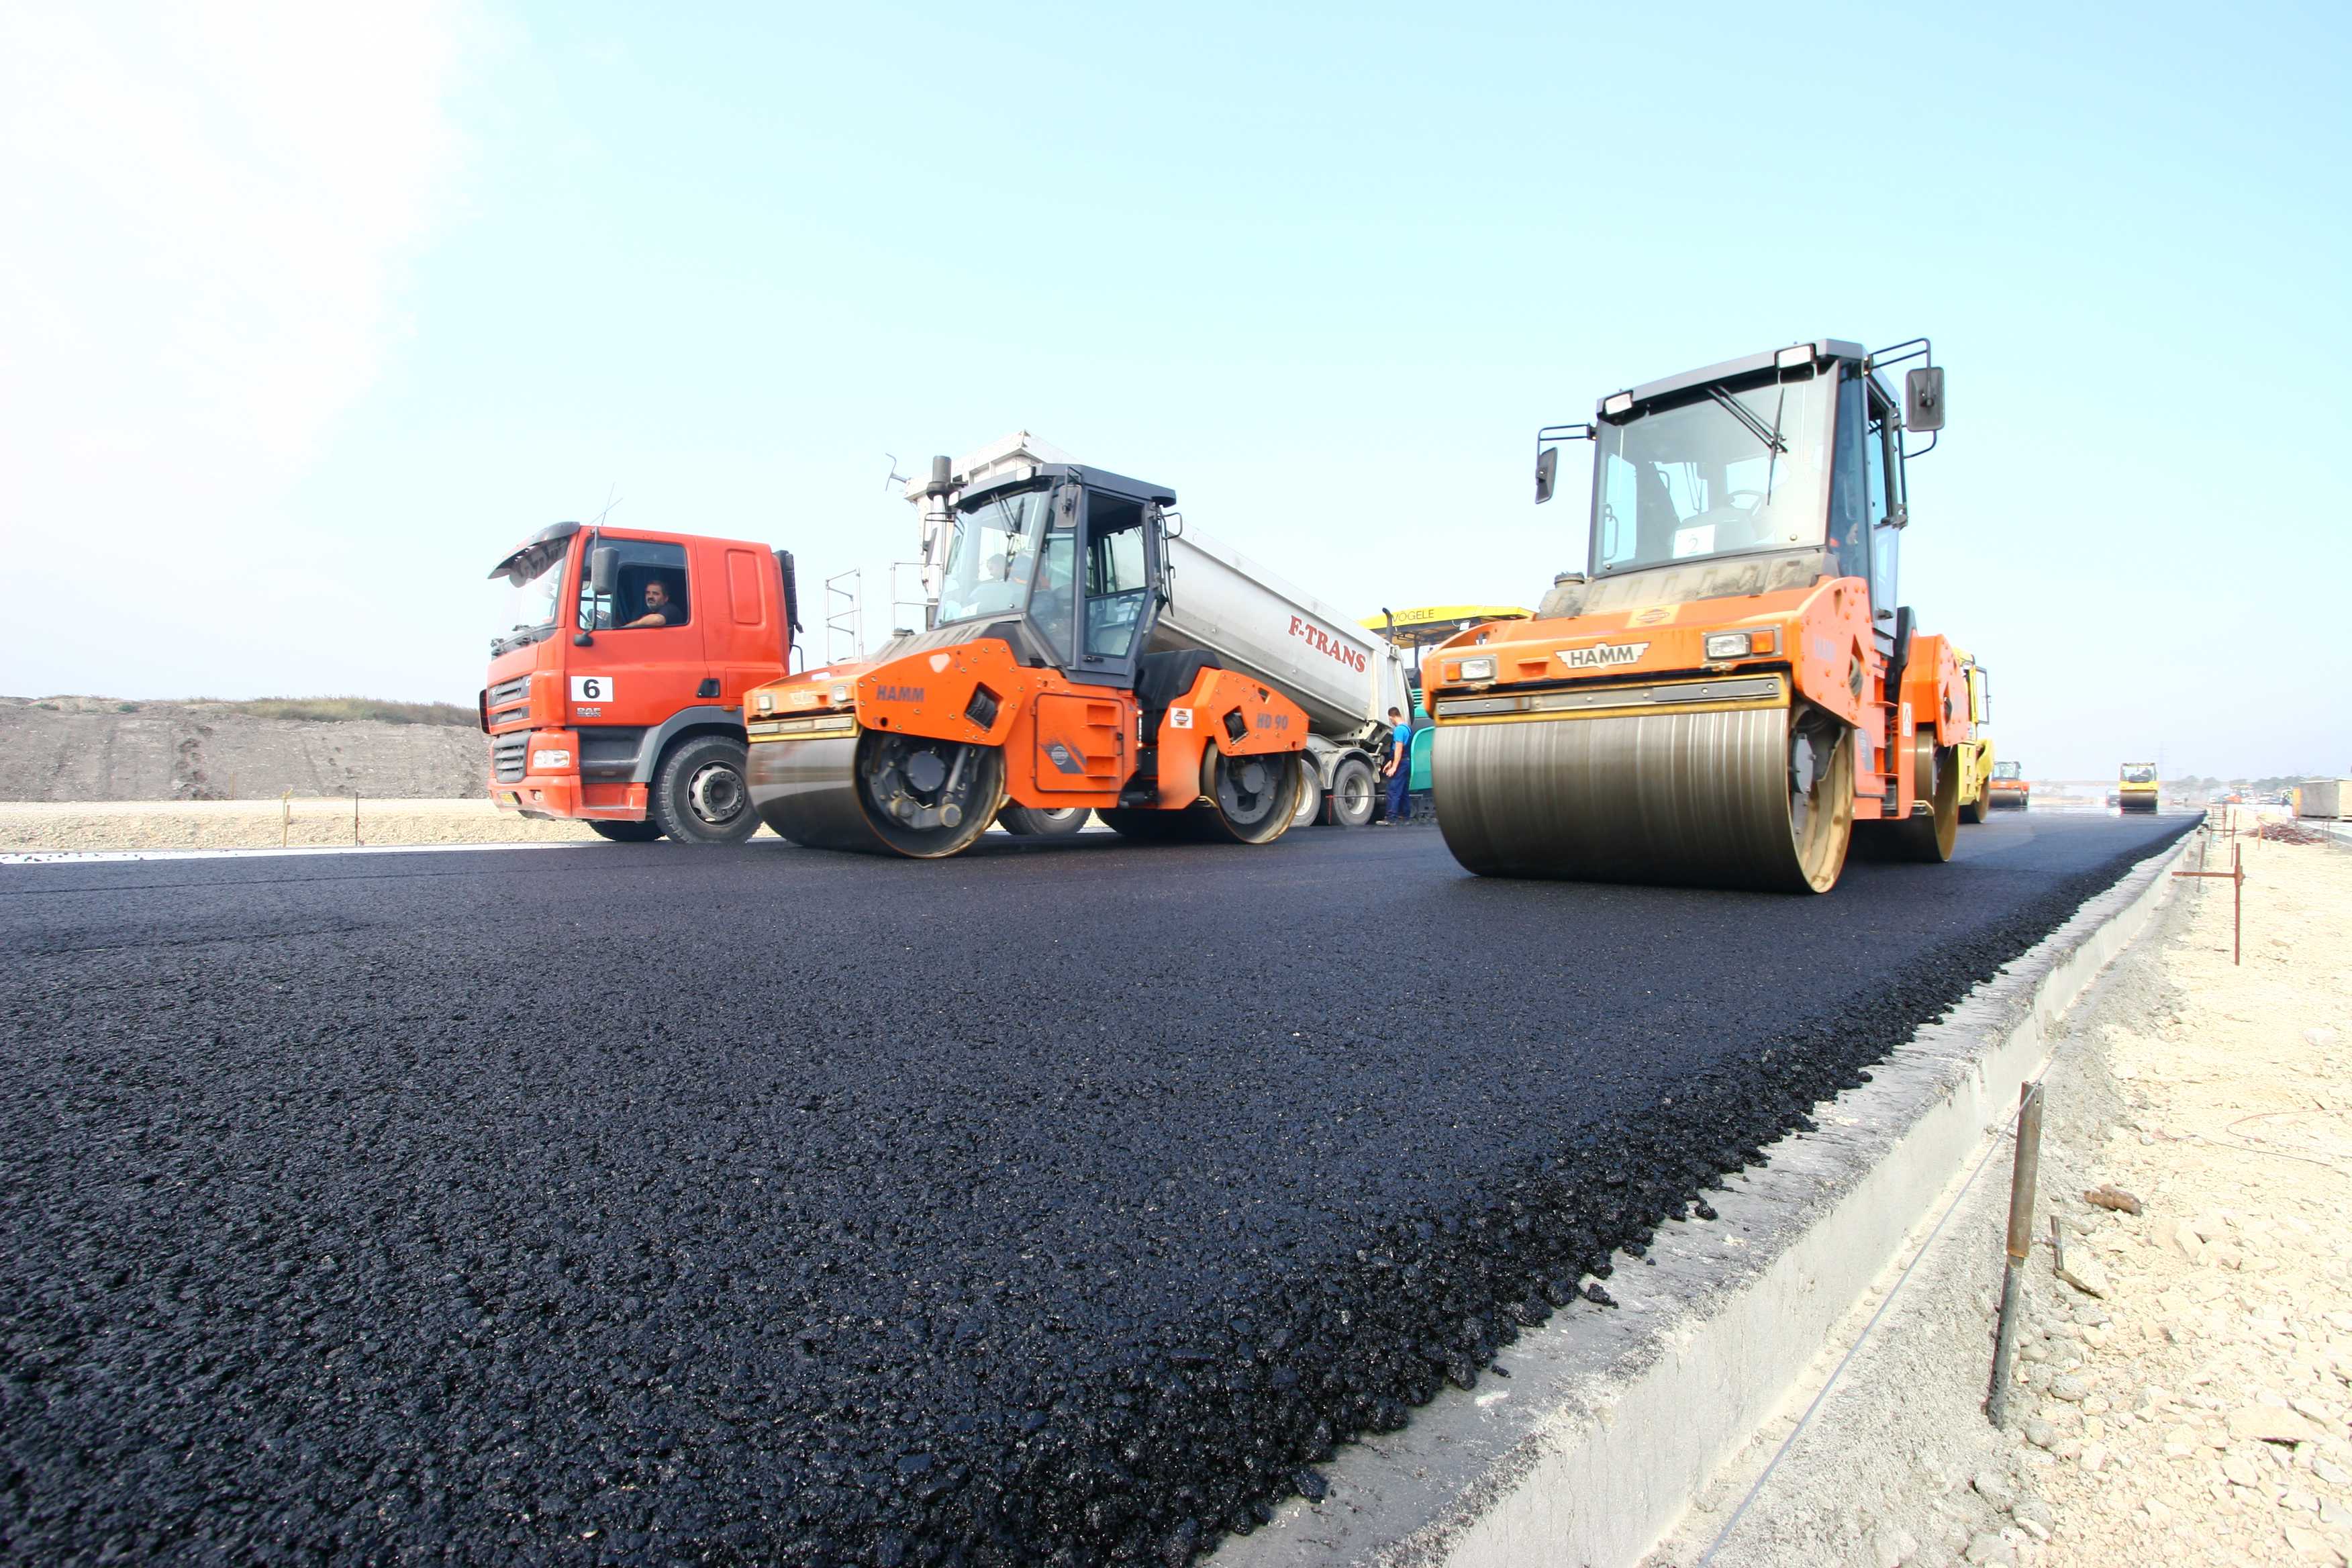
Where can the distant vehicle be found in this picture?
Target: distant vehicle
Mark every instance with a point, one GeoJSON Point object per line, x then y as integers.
{"type": "Point", "coordinates": [616, 694]}
{"type": "Point", "coordinates": [2007, 789]}
{"type": "Point", "coordinates": [1974, 752]}
{"type": "Point", "coordinates": [2136, 789]}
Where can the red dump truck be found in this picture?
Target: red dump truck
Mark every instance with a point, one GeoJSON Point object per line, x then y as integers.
{"type": "Point", "coordinates": [616, 694]}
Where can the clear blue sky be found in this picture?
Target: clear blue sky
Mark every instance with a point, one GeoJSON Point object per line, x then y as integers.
{"type": "Point", "coordinates": [314, 318]}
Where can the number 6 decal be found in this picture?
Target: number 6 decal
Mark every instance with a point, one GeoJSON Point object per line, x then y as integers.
{"type": "Point", "coordinates": [591, 689]}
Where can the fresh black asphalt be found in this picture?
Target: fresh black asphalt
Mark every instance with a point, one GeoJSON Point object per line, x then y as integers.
{"type": "Point", "coordinates": [1063, 1203]}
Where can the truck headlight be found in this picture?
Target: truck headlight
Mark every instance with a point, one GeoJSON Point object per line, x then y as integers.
{"type": "Point", "coordinates": [547, 761]}
{"type": "Point", "coordinates": [1475, 669]}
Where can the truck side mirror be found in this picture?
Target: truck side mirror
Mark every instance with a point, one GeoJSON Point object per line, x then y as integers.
{"type": "Point", "coordinates": [1547, 472]}
{"type": "Point", "coordinates": [1923, 399]}
{"type": "Point", "coordinates": [604, 569]}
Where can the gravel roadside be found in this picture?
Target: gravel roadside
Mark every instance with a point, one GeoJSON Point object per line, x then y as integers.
{"type": "Point", "coordinates": [2184, 1393]}
{"type": "Point", "coordinates": [258, 824]}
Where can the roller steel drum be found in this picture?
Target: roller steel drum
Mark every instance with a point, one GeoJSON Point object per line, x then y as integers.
{"type": "Point", "coordinates": [877, 793]}
{"type": "Point", "coordinates": [1757, 797]}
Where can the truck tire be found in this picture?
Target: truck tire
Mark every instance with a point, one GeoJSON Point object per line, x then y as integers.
{"type": "Point", "coordinates": [1354, 792]}
{"type": "Point", "coordinates": [1310, 793]}
{"type": "Point", "coordinates": [699, 795]}
{"type": "Point", "coordinates": [626, 832]}
{"type": "Point", "coordinates": [1040, 822]}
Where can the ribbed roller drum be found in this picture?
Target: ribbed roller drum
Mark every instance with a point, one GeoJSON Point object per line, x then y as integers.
{"type": "Point", "coordinates": [1757, 797]}
{"type": "Point", "coordinates": [878, 793]}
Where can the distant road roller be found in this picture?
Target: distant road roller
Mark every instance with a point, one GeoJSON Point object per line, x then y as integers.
{"type": "Point", "coordinates": [2136, 787]}
{"type": "Point", "coordinates": [1732, 690]}
{"type": "Point", "coordinates": [1061, 672]}
{"type": "Point", "coordinates": [2009, 789]}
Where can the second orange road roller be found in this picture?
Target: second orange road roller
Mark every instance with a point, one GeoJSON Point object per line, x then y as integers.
{"type": "Point", "coordinates": [1733, 690]}
{"type": "Point", "coordinates": [1069, 667]}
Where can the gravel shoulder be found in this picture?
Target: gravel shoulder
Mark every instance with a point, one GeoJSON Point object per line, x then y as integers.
{"type": "Point", "coordinates": [314, 823]}
{"type": "Point", "coordinates": [2184, 1396]}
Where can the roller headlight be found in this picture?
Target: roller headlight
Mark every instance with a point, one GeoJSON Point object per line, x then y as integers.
{"type": "Point", "coordinates": [841, 691]}
{"type": "Point", "coordinates": [767, 702]}
{"type": "Point", "coordinates": [1738, 645]}
{"type": "Point", "coordinates": [1475, 669]}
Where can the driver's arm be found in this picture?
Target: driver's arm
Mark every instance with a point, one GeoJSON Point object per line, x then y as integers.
{"type": "Point", "coordinates": [650, 618]}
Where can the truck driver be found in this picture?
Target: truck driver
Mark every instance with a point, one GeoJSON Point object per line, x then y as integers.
{"type": "Point", "coordinates": [659, 610]}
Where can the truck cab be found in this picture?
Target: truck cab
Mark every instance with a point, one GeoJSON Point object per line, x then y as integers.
{"type": "Point", "coordinates": [615, 696]}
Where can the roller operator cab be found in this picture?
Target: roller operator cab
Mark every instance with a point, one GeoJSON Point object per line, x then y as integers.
{"type": "Point", "coordinates": [1040, 687]}
{"type": "Point", "coordinates": [615, 693]}
{"type": "Point", "coordinates": [1732, 691]}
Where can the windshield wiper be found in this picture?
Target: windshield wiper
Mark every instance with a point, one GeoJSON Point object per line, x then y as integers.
{"type": "Point", "coordinates": [1769, 435]}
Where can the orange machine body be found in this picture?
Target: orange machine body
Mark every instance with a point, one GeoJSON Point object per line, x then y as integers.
{"type": "Point", "coordinates": [1816, 641]}
{"type": "Point", "coordinates": [580, 710]}
{"type": "Point", "coordinates": [1064, 742]}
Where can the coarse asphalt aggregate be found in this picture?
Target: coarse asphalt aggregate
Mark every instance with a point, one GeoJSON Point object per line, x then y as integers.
{"type": "Point", "coordinates": [1064, 1203]}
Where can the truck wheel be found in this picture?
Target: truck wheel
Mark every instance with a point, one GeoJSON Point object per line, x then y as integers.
{"type": "Point", "coordinates": [1310, 793]}
{"type": "Point", "coordinates": [1353, 793]}
{"type": "Point", "coordinates": [699, 794]}
{"type": "Point", "coordinates": [626, 832]}
{"type": "Point", "coordinates": [1042, 822]}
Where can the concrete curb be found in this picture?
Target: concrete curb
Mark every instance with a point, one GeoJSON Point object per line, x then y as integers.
{"type": "Point", "coordinates": [1609, 1422]}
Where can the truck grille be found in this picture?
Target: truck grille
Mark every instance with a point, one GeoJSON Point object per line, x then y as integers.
{"type": "Point", "coordinates": [512, 695]}
{"type": "Point", "coordinates": [507, 755]}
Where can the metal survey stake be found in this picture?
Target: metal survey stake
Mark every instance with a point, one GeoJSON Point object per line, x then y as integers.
{"type": "Point", "coordinates": [2020, 1245]}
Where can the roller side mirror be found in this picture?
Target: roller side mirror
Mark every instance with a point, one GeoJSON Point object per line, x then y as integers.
{"type": "Point", "coordinates": [1923, 399]}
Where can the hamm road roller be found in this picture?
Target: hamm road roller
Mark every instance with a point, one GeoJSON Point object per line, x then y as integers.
{"type": "Point", "coordinates": [1732, 690]}
{"type": "Point", "coordinates": [2136, 787]}
{"type": "Point", "coordinates": [1067, 668]}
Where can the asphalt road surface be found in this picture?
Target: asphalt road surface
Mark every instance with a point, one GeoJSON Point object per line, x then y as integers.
{"type": "Point", "coordinates": [1063, 1203]}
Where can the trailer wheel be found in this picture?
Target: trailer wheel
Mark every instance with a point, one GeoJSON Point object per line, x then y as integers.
{"type": "Point", "coordinates": [1353, 794]}
{"type": "Point", "coordinates": [1310, 793]}
{"type": "Point", "coordinates": [1042, 821]}
{"type": "Point", "coordinates": [626, 832]}
{"type": "Point", "coordinates": [699, 795]}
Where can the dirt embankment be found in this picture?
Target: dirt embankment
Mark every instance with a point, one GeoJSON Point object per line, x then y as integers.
{"type": "Point", "coordinates": [2185, 1386]}
{"type": "Point", "coordinates": [101, 749]}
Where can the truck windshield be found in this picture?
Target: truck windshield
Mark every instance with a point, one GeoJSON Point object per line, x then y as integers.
{"type": "Point", "coordinates": [528, 591]}
{"type": "Point", "coordinates": [993, 556]}
{"type": "Point", "coordinates": [1722, 474]}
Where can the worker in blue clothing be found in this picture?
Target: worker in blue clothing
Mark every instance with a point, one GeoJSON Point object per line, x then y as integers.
{"type": "Point", "coordinates": [1399, 767]}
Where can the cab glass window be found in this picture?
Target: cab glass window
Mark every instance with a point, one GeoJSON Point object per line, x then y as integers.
{"type": "Point", "coordinates": [1114, 575]}
{"type": "Point", "coordinates": [650, 589]}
